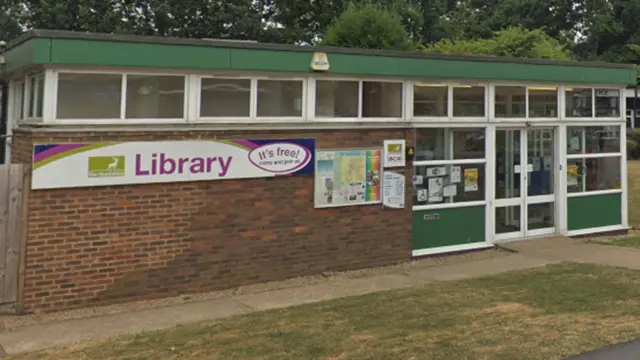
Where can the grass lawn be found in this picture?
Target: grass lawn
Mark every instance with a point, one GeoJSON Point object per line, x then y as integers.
{"type": "Point", "coordinates": [633, 175]}
{"type": "Point", "coordinates": [633, 242]}
{"type": "Point", "coordinates": [544, 313]}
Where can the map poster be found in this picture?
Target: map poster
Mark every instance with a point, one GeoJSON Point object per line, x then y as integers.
{"type": "Point", "coordinates": [347, 177]}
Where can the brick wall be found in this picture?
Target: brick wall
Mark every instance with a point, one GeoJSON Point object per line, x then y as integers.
{"type": "Point", "coordinates": [91, 246]}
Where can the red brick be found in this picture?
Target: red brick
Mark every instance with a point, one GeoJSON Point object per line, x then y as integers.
{"type": "Point", "coordinates": [122, 243]}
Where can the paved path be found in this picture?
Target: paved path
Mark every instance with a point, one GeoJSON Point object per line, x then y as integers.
{"type": "Point", "coordinates": [527, 254]}
{"type": "Point", "coordinates": [626, 351]}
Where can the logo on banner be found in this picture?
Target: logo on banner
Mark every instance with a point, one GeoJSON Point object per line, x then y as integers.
{"type": "Point", "coordinates": [106, 166]}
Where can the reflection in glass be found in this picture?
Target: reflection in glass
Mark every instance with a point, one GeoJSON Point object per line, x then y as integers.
{"type": "Point", "coordinates": [593, 174]}
{"type": "Point", "coordinates": [579, 102]}
{"type": "Point", "coordinates": [225, 97]}
{"type": "Point", "coordinates": [607, 102]}
{"type": "Point", "coordinates": [507, 219]}
{"type": "Point", "coordinates": [430, 100]}
{"type": "Point", "coordinates": [430, 144]}
{"type": "Point", "coordinates": [540, 155]}
{"type": "Point", "coordinates": [280, 98]}
{"type": "Point", "coordinates": [89, 96]}
{"type": "Point", "coordinates": [381, 99]}
{"type": "Point", "coordinates": [510, 101]}
{"type": "Point", "coordinates": [540, 216]}
{"type": "Point", "coordinates": [543, 102]}
{"type": "Point", "coordinates": [468, 143]}
{"type": "Point", "coordinates": [337, 98]}
{"type": "Point", "coordinates": [508, 166]}
{"type": "Point", "coordinates": [468, 101]}
{"type": "Point", "coordinates": [155, 97]}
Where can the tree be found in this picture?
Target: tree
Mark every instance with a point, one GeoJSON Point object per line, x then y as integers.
{"type": "Point", "coordinates": [368, 27]}
{"type": "Point", "coordinates": [10, 15]}
{"type": "Point", "coordinates": [513, 42]}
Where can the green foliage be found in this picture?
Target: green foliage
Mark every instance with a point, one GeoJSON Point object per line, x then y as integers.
{"type": "Point", "coordinates": [514, 42]}
{"type": "Point", "coordinates": [368, 26]}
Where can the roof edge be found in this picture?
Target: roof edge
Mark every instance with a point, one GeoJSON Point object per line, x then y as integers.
{"type": "Point", "coordinates": [64, 34]}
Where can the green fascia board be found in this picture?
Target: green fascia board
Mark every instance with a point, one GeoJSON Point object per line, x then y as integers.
{"type": "Point", "coordinates": [100, 50]}
{"type": "Point", "coordinates": [594, 211]}
{"type": "Point", "coordinates": [35, 51]}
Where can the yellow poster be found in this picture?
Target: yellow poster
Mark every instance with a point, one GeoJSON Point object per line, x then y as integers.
{"type": "Point", "coordinates": [572, 175]}
{"type": "Point", "coordinates": [470, 179]}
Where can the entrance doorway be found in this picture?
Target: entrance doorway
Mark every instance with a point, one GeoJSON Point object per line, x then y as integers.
{"type": "Point", "coordinates": [525, 163]}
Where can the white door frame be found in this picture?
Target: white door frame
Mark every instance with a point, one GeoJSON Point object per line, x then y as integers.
{"type": "Point", "coordinates": [523, 201]}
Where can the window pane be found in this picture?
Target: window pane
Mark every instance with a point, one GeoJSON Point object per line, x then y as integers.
{"type": "Point", "coordinates": [280, 98]}
{"type": "Point", "coordinates": [579, 102]}
{"type": "Point", "coordinates": [607, 102]}
{"type": "Point", "coordinates": [468, 101]}
{"type": "Point", "coordinates": [593, 174]}
{"type": "Point", "coordinates": [510, 101]}
{"type": "Point", "coordinates": [40, 96]}
{"type": "Point", "coordinates": [593, 139]}
{"type": "Point", "coordinates": [381, 99]}
{"type": "Point", "coordinates": [32, 96]}
{"type": "Point", "coordinates": [89, 96]}
{"type": "Point", "coordinates": [17, 102]}
{"type": "Point", "coordinates": [225, 97]}
{"type": "Point", "coordinates": [602, 139]}
{"type": "Point", "coordinates": [155, 97]}
{"type": "Point", "coordinates": [468, 143]}
{"type": "Point", "coordinates": [543, 102]}
{"type": "Point", "coordinates": [430, 144]}
{"type": "Point", "coordinates": [448, 184]}
{"type": "Point", "coordinates": [337, 98]}
{"type": "Point", "coordinates": [430, 100]}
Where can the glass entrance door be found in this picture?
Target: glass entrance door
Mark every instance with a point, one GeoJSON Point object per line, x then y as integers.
{"type": "Point", "coordinates": [525, 165]}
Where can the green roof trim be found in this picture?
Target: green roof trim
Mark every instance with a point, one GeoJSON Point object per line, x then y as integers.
{"type": "Point", "coordinates": [45, 47]}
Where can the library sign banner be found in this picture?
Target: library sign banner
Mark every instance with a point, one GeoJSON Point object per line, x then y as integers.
{"type": "Point", "coordinates": [138, 162]}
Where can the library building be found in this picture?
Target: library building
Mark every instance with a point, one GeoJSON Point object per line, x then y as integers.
{"type": "Point", "coordinates": [159, 166]}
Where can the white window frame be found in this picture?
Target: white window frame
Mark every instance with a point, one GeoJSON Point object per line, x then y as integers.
{"type": "Point", "coordinates": [492, 102]}
{"type": "Point", "coordinates": [488, 94]}
{"type": "Point", "coordinates": [449, 150]}
{"type": "Point", "coordinates": [277, 119]}
{"type": "Point", "coordinates": [311, 103]}
{"type": "Point", "coordinates": [621, 155]}
{"type": "Point", "coordinates": [198, 95]}
{"type": "Point", "coordinates": [123, 97]}
{"type": "Point", "coordinates": [593, 117]}
{"type": "Point", "coordinates": [527, 117]}
{"type": "Point", "coordinates": [411, 101]}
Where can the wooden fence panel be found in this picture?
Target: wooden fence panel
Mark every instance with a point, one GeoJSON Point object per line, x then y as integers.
{"type": "Point", "coordinates": [13, 187]}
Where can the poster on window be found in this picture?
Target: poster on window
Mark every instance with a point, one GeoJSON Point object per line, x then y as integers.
{"type": "Point", "coordinates": [347, 178]}
{"type": "Point", "coordinates": [572, 175]}
{"type": "Point", "coordinates": [470, 180]}
{"type": "Point", "coordinates": [436, 186]}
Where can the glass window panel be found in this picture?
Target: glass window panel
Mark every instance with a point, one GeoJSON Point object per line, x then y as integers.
{"type": "Point", "coordinates": [33, 84]}
{"type": "Point", "coordinates": [543, 102]}
{"type": "Point", "coordinates": [510, 101]}
{"type": "Point", "coordinates": [540, 216]}
{"type": "Point", "coordinates": [468, 143]}
{"type": "Point", "coordinates": [468, 101]}
{"type": "Point", "coordinates": [593, 174]}
{"type": "Point", "coordinates": [17, 101]}
{"type": "Point", "coordinates": [607, 102]}
{"type": "Point", "coordinates": [579, 102]}
{"type": "Point", "coordinates": [338, 99]}
{"type": "Point", "coordinates": [593, 139]}
{"type": "Point", "coordinates": [381, 99]}
{"type": "Point", "coordinates": [540, 152]}
{"type": "Point", "coordinates": [430, 144]}
{"type": "Point", "coordinates": [280, 98]}
{"type": "Point", "coordinates": [89, 96]}
{"type": "Point", "coordinates": [508, 164]}
{"type": "Point", "coordinates": [40, 96]}
{"type": "Point", "coordinates": [430, 100]}
{"type": "Point", "coordinates": [508, 219]}
{"type": "Point", "coordinates": [155, 97]}
{"type": "Point", "coordinates": [225, 97]}
{"type": "Point", "coordinates": [448, 184]}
